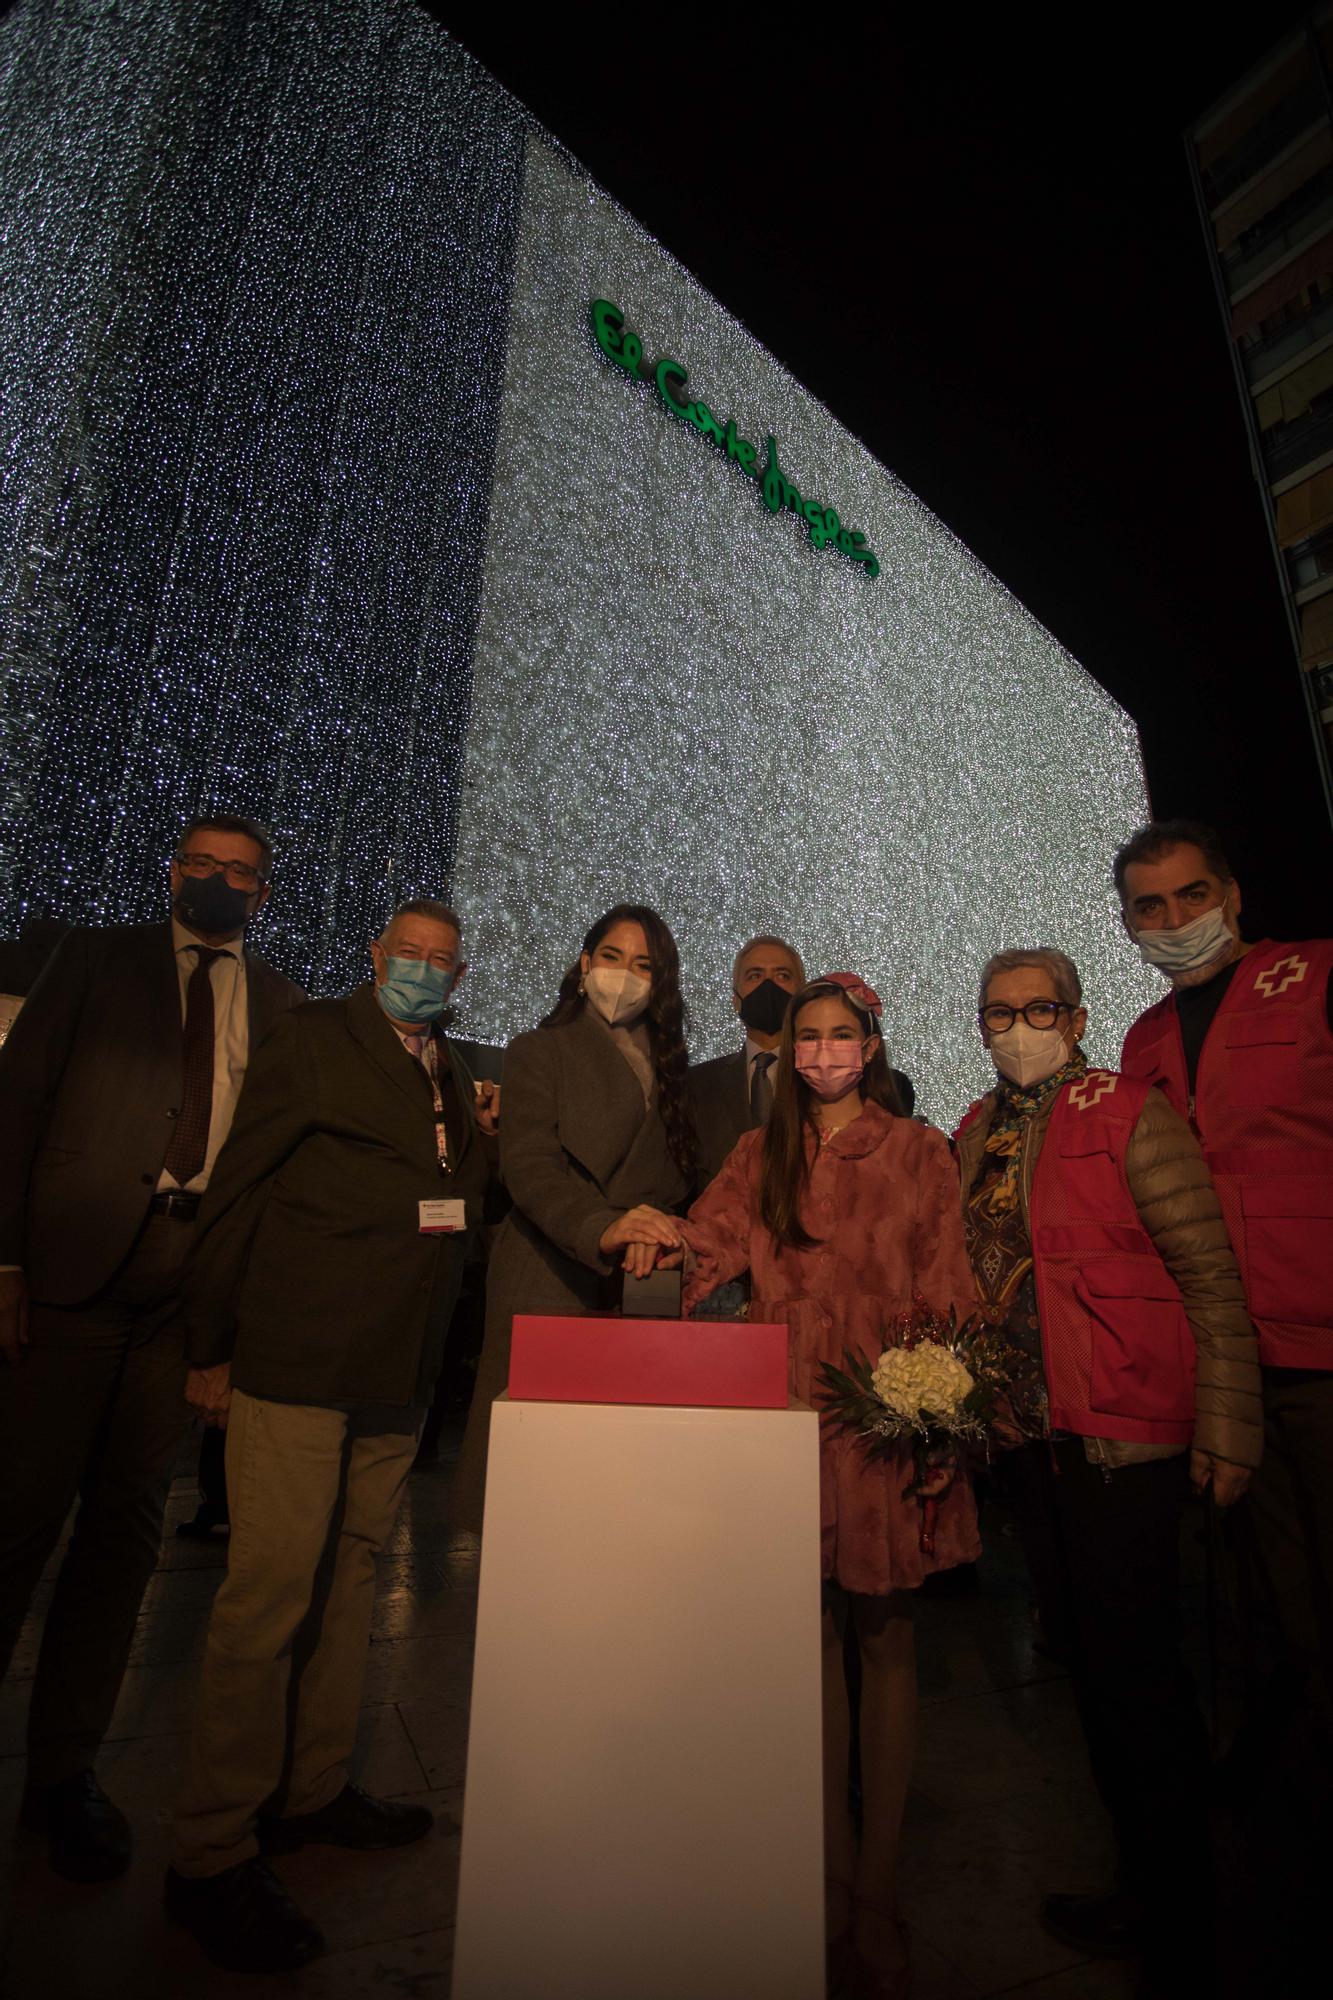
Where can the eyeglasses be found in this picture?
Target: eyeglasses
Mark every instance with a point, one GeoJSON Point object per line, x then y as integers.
{"type": "Point", "coordinates": [239, 873]}
{"type": "Point", "coordinates": [1038, 1014]}
{"type": "Point", "coordinates": [443, 961]}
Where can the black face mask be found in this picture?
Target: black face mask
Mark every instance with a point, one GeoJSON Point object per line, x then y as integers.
{"type": "Point", "coordinates": [764, 1007]}
{"type": "Point", "coordinates": [208, 904]}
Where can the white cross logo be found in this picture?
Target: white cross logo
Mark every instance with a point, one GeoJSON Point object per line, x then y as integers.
{"type": "Point", "coordinates": [1092, 1088]}
{"type": "Point", "coordinates": [1293, 971]}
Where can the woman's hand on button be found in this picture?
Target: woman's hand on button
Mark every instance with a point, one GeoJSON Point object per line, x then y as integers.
{"type": "Point", "coordinates": [640, 1225]}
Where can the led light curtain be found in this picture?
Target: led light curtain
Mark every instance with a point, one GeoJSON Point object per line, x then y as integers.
{"type": "Point", "coordinates": [322, 503]}
{"type": "Point", "coordinates": [256, 266]}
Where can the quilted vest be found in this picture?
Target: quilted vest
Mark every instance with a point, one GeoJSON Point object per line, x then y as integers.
{"type": "Point", "coordinates": [1263, 1110]}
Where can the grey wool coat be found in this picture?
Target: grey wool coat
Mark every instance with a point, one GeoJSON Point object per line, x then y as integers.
{"type": "Point", "coordinates": [578, 1147]}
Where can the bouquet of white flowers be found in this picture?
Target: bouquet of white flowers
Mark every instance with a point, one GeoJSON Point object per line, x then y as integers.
{"type": "Point", "coordinates": [918, 1385]}
{"type": "Point", "coordinates": [935, 1388]}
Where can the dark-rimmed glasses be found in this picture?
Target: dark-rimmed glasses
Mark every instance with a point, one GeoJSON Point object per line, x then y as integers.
{"type": "Point", "coordinates": [239, 873]}
{"type": "Point", "coordinates": [1043, 1014]}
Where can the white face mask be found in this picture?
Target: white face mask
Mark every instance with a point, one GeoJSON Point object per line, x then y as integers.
{"type": "Point", "coordinates": [1027, 1056]}
{"type": "Point", "coordinates": [1190, 949]}
{"type": "Point", "coordinates": [618, 994]}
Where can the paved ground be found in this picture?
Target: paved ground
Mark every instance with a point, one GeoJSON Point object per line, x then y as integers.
{"type": "Point", "coordinates": [1001, 1810]}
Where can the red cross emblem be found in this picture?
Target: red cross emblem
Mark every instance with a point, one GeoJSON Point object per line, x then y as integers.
{"type": "Point", "coordinates": [1292, 970]}
{"type": "Point", "coordinates": [1092, 1088]}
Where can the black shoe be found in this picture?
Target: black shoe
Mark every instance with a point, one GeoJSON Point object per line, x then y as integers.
{"type": "Point", "coordinates": [353, 1819]}
{"type": "Point", "coordinates": [90, 1838]}
{"type": "Point", "coordinates": [244, 1918]}
{"type": "Point", "coordinates": [1107, 1926]}
{"type": "Point", "coordinates": [206, 1526]}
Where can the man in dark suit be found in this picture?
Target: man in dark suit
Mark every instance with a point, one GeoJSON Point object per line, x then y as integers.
{"type": "Point", "coordinates": [329, 1254]}
{"type": "Point", "coordinates": [117, 1087]}
{"type": "Point", "coordinates": [732, 1094]}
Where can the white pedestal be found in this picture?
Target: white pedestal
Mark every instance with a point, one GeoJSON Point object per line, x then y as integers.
{"type": "Point", "coordinates": [643, 1817]}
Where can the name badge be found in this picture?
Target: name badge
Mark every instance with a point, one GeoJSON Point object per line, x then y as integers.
{"type": "Point", "coordinates": [441, 1218]}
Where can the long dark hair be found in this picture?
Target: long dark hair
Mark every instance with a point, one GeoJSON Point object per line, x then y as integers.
{"type": "Point", "coordinates": [786, 1168]}
{"type": "Point", "coordinates": [666, 1020]}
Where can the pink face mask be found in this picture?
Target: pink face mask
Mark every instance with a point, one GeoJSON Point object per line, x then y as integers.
{"type": "Point", "coordinates": [830, 1068]}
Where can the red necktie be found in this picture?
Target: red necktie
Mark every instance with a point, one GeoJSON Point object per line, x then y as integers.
{"type": "Point", "coordinates": [189, 1142]}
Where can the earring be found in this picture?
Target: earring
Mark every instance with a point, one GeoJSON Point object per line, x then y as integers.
{"type": "Point", "coordinates": [582, 988]}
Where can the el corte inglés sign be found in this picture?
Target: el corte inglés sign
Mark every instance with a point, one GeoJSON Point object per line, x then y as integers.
{"type": "Point", "coordinates": [624, 349]}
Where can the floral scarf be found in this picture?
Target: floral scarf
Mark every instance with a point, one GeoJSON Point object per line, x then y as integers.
{"type": "Point", "coordinates": [997, 1235]}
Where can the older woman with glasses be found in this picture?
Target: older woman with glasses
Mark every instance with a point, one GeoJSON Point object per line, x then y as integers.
{"type": "Point", "coordinates": [1097, 1240]}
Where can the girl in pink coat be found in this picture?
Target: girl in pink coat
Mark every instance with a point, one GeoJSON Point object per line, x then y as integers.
{"type": "Point", "coordinates": [843, 1210]}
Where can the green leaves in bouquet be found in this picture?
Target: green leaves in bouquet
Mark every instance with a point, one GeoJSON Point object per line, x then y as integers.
{"type": "Point", "coordinates": [1004, 1398]}
{"type": "Point", "coordinates": [850, 1400]}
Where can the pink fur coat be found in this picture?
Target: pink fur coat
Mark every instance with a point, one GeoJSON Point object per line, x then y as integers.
{"type": "Point", "coordinates": [883, 1201]}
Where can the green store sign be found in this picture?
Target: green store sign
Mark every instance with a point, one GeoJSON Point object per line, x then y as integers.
{"type": "Point", "coordinates": [624, 349]}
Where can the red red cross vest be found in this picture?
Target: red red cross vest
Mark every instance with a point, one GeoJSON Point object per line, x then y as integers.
{"type": "Point", "coordinates": [1117, 1346]}
{"type": "Point", "coordinates": [1263, 1110]}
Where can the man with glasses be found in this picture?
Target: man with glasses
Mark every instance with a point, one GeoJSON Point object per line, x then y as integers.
{"type": "Point", "coordinates": [117, 1088]}
{"type": "Point", "coordinates": [317, 1306]}
{"type": "Point", "coordinates": [1098, 1245]}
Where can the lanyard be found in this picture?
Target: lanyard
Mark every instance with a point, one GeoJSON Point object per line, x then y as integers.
{"type": "Point", "coordinates": [430, 1062]}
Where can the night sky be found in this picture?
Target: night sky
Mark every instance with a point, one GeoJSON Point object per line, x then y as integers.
{"type": "Point", "coordinates": [977, 243]}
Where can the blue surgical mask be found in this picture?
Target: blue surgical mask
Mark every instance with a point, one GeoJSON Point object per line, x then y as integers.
{"type": "Point", "coordinates": [413, 990]}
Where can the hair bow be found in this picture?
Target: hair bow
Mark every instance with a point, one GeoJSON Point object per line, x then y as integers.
{"type": "Point", "coordinates": [860, 995]}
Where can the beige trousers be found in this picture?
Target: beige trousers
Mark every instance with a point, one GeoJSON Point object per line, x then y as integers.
{"type": "Point", "coordinates": [312, 1503]}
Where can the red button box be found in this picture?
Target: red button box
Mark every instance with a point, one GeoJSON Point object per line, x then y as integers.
{"type": "Point", "coordinates": [722, 1364]}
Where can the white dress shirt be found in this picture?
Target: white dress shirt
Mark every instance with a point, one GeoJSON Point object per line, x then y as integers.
{"type": "Point", "coordinates": [231, 1039]}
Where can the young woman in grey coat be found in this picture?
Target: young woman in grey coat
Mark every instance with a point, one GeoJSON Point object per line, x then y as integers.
{"type": "Point", "coordinates": [596, 1141]}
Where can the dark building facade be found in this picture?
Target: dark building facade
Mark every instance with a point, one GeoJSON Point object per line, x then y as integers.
{"type": "Point", "coordinates": [1262, 163]}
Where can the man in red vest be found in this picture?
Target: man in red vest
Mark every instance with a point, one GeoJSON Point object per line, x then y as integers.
{"type": "Point", "coordinates": [1243, 1047]}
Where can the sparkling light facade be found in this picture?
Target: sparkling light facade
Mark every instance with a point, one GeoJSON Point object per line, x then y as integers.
{"type": "Point", "coordinates": [321, 503]}
{"type": "Point", "coordinates": [256, 266]}
{"type": "Point", "coordinates": [678, 699]}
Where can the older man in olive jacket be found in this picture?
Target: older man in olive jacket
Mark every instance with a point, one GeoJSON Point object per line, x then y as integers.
{"type": "Point", "coordinates": [331, 1247]}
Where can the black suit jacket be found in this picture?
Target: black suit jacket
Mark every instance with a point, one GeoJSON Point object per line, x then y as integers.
{"type": "Point", "coordinates": [721, 1103]}
{"type": "Point", "coordinates": [90, 1083]}
{"type": "Point", "coordinates": [309, 1270]}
